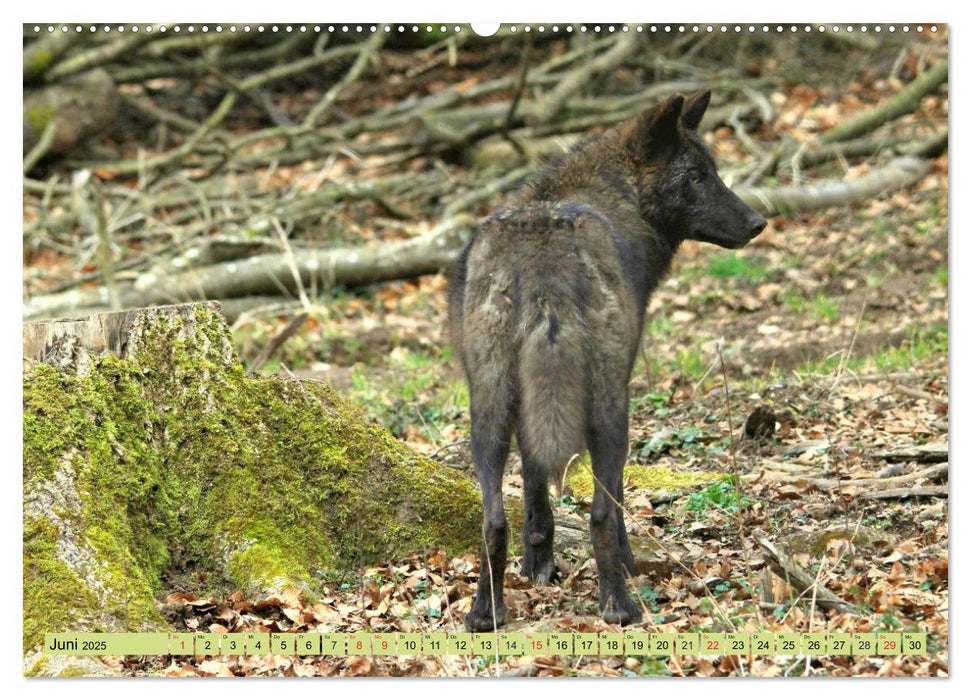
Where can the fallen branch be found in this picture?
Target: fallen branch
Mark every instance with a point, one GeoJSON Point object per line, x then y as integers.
{"type": "Point", "coordinates": [904, 102]}
{"type": "Point", "coordinates": [814, 154]}
{"type": "Point", "coordinates": [774, 201]}
{"type": "Point", "coordinates": [271, 273]}
{"type": "Point", "coordinates": [800, 579]}
{"type": "Point", "coordinates": [367, 51]}
{"type": "Point", "coordinates": [932, 452]}
{"type": "Point", "coordinates": [42, 146]}
{"type": "Point", "coordinates": [100, 55]}
{"type": "Point", "coordinates": [550, 105]}
{"type": "Point", "coordinates": [938, 471]}
{"type": "Point", "coordinates": [918, 394]}
{"type": "Point", "coordinates": [916, 492]}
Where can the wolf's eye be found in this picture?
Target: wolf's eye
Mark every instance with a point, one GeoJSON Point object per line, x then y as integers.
{"type": "Point", "coordinates": [695, 177]}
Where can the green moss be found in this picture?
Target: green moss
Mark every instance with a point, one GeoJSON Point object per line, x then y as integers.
{"type": "Point", "coordinates": [38, 115]}
{"type": "Point", "coordinates": [258, 482]}
{"type": "Point", "coordinates": [56, 596]}
{"type": "Point", "coordinates": [37, 668]}
{"type": "Point", "coordinates": [72, 672]}
{"type": "Point", "coordinates": [39, 61]}
{"type": "Point", "coordinates": [654, 479]}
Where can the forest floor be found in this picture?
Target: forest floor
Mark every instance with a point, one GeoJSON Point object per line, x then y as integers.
{"type": "Point", "coordinates": [833, 325]}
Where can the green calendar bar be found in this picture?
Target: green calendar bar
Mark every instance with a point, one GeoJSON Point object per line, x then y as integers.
{"type": "Point", "coordinates": [382, 644]}
{"type": "Point", "coordinates": [359, 644]}
{"type": "Point", "coordinates": [107, 644]}
{"type": "Point", "coordinates": [637, 643]}
{"type": "Point", "coordinates": [611, 643]}
{"type": "Point", "coordinates": [561, 643]}
{"type": "Point", "coordinates": [839, 644]}
{"type": "Point", "coordinates": [459, 643]}
{"type": "Point", "coordinates": [864, 644]}
{"type": "Point", "coordinates": [511, 643]}
{"type": "Point", "coordinates": [763, 644]}
{"type": "Point", "coordinates": [333, 644]}
{"type": "Point", "coordinates": [586, 644]}
{"type": "Point", "coordinates": [485, 643]}
{"type": "Point", "coordinates": [687, 643]}
{"type": "Point", "coordinates": [626, 643]}
{"type": "Point", "coordinates": [738, 643]}
{"type": "Point", "coordinates": [435, 644]}
{"type": "Point", "coordinates": [788, 643]}
{"type": "Point", "coordinates": [813, 644]}
{"type": "Point", "coordinates": [662, 645]}
{"type": "Point", "coordinates": [889, 643]}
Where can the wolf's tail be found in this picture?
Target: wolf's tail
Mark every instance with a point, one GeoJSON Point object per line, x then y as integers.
{"type": "Point", "coordinates": [553, 382]}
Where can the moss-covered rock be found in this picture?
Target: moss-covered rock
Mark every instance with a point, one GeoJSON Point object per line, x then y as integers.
{"type": "Point", "coordinates": [170, 457]}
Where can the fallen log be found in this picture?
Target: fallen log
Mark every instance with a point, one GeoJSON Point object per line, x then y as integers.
{"type": "Point", "coordinates": [273, 273]}
{"type": "Point", "coordinates": [931, 452]}
{"type": "Point", "coordinates": [775, 201]}
{"type": "Point", "coordinates": [934, 473]}
{"type": "Point", "coordinates": [915, 492]}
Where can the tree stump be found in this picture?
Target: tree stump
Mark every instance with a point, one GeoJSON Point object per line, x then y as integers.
{"type": "Point", "coordinates": [151, 456]}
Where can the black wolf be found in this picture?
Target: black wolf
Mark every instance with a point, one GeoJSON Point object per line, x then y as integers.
{"type": "Point", "coordinates": [546, 309]}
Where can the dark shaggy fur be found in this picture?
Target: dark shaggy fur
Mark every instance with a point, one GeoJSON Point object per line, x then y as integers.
{"type": "Point", "coordinates": [546, 309]}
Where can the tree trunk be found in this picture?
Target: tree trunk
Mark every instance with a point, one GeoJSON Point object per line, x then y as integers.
{"type": "Point", "coordinates": [149, 454]}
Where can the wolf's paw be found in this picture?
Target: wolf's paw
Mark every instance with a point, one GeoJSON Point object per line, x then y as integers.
{"type": "Point", "coordinates": [481, 618]}
{"type": "Point", "coordinates": [622, 612]}
{"type": "Point", "coordinates": [540, 571]}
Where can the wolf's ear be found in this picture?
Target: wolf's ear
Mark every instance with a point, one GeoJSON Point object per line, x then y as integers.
{"type": "Point", "coordinates": [694, 109]}
{"type": "Point", "coordinates": [662, 121]}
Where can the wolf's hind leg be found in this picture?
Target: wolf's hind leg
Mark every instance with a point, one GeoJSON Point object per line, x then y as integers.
{"type": "Point", "coordinates": [538, 528]}
{"type": "Point", "coordinates": [491, 431]}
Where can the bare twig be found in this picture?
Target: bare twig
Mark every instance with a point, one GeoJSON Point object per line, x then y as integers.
{"type": "Point", "coordinates": [367, 52]}
{"type": "Point", "coordinates": [100, 55]}
{"type": "Point", "coordinates": [550, 105]}
{"type": "Point", "coordinates": [42, 146]}
{"type": "Point", "coordinates": [277, 341]}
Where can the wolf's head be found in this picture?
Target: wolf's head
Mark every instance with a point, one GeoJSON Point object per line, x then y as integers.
{"type": "Point", "coordinates": [680, 191]}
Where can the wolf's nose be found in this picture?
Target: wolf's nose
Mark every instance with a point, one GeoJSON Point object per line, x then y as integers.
{"type": "Point", "coordinates": [755, 225]}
